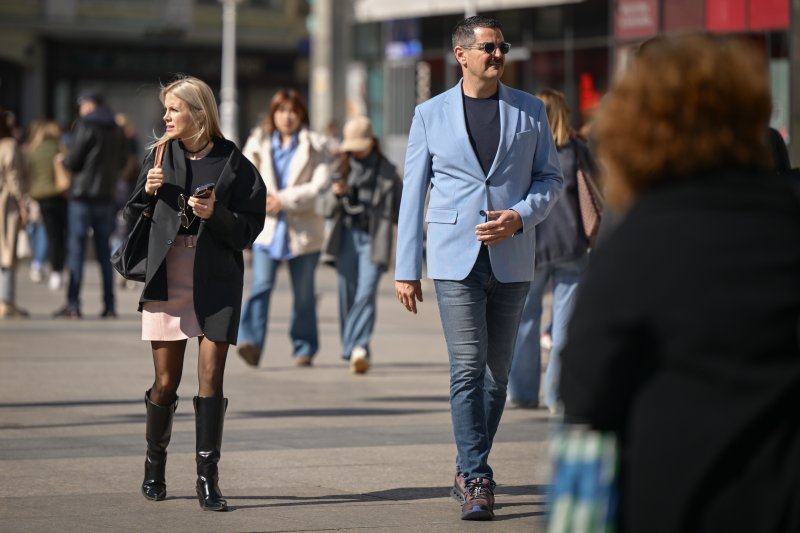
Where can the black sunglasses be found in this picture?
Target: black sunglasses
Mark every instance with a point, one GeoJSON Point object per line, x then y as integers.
{"type": "Point", "coordinates": [489, 48]}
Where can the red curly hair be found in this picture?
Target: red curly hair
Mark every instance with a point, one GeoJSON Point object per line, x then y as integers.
{"type": "Point", "coordinates": [685, 106]}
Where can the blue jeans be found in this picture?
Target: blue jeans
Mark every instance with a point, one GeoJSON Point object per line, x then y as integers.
{"type": "Point", "coordinates": [480, 318]}
{"type": "Point", "coordinates": [358, 290]}
{"type": "Point", "coordinates": [99, 216]}
{"type": "Point", "coordinates": [523, 383]}
{"type": "Point", "coordinates": [303, 321]}
{"type": "Point", "coordinates": [38, 239]}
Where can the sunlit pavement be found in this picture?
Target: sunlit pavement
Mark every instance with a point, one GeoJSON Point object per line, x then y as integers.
{"type": "Point", "coordinates": [304, 449]}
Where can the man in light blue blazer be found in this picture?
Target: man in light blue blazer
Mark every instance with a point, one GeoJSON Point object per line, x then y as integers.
{"type": "Point", "coordinates": [486, 153]}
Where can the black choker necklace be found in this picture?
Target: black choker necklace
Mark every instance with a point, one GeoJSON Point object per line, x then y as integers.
{"type": "Point", "coordinates": [197, 151]}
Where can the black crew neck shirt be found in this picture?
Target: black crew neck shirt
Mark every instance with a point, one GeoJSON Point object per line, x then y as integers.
{"type": "Point", "coordinates": [202, 171]}
{"type": "Point", "coordinates": [483, 127]}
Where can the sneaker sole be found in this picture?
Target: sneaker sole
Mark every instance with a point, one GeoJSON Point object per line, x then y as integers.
{"type": "Point", "coordinates": [477, 513]}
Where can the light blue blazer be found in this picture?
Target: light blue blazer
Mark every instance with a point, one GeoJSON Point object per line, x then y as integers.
{"type": "Point", "coordinates": [525, 177]}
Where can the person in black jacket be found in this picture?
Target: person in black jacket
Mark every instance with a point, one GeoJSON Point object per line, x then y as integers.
{"type": "Point", "coordinates": [95, 158]}
{"type": "Point", "coordinates": [562, 255]}
{"type": "Point", "coordinates": [660, 349]}
{"type": "Point", "coordinates": [195, 272]}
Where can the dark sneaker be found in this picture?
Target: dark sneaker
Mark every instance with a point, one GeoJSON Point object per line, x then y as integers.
{"type": "Point", "coordinates": [458, 492]}
{"type": "Point", "coordinates": [67, 312]}
{"type": "Point", "coordinates": [250, 353]}
{"type": "Point", "coordinates": [479, 504]}
{"type": "Point", "coordinates": [108, 313]}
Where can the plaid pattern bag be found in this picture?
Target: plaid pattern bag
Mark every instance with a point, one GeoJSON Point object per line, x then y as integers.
{"type": "Point", "coordinates": [584, 491]}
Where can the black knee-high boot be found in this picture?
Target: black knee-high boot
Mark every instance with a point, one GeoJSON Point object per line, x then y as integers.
{"type": "Point", "coordinates": [209, 415]}
{"type": "Point", "coordinates": [158, 432]}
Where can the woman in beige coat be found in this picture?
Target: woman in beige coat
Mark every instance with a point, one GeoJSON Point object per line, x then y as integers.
{"type": "Point", "coordinates": [293, 165]}
{"type": "Point", "coordinates": [12, 216]}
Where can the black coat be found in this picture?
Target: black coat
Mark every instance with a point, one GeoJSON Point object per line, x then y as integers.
{"type": "Point", "coordinates": [96, 156]}
{"type": "Point", "coordinates": [684, 341]}
{"type": "Point", "coordinates": [219, 267]}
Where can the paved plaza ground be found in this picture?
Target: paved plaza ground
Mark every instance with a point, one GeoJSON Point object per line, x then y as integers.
{"type": "Point", "coordinates": [305, 449]}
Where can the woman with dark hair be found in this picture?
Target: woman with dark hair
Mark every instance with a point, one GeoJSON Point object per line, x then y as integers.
{"type": "Point", "coordinates": [362, 204]}
{"type": "Point", "coordinates": [195, 272]}
{"type": "Point", "coordinates": [660, 348]}
{"type": "Point", "coordinates": [292, 163]}
{"type": "Point", "coordinates": [13, 215]}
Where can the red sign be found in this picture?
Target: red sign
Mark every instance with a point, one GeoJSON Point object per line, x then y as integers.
{"type": "Point", "coordinates": [636, 19]}
{"type": "Point", "coordinates": [726, 15]}
{"type": "Point", "coordinates": [768, 14]}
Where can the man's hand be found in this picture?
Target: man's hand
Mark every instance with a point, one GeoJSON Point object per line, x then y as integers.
{"type": "Point", "coordinates": [501, 226]}
{"type": "Point", "coordinates": [408, 292]}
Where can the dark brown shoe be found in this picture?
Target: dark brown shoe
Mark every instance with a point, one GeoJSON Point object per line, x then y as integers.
{"type": "Point", "coordinates": [458, 492]}
{"type": "Point", "coordinates": [303, 360]}
{"type": "Point", "coordinates": [250, 353]}
{"type": "Point", "coordinates": [479, 504]}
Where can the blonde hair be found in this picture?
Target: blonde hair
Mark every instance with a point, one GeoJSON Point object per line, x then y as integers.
{"type": "Point", "coordinates": [686, 105]}
{"type": "Point", "coordinates": [555, 103]}
{"type": "Point", "coordinates": [199, 98]}
{"type": "Point", "coordinates": [42, 130]}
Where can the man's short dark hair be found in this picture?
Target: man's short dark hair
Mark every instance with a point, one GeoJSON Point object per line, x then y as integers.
{"type": "Point", "coordinates": [464, 32]}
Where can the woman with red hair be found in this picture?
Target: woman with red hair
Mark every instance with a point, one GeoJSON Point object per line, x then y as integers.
{"type": "Point", "coordinates": [292, 163]}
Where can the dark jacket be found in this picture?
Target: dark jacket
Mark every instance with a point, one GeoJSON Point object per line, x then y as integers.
{"type": "Point", "coordinates": [382, 215]}
{"type": "Point", "coordinates": [684, 341]}
{"type": "Point", "coordinates": [219, 267]}
{"type": "Point", "coordinates": [560, 237]}
{"type": "Point", "coordinates": [96, 156]}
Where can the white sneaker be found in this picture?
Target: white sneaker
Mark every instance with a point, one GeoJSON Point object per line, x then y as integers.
{"type": "Point", "coordinates": [55, 281]}
{"type": "Point", "coordinates": [36, 275]}
{"type": "Point", "coordinates": [359, 360]}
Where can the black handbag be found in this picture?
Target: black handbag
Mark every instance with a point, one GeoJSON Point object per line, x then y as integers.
{"type": "Point", "coordinates": [130, 259]}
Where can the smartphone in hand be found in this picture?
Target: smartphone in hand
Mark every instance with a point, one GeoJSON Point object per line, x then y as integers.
{"type": "Point", "coordinates": [203, 191]}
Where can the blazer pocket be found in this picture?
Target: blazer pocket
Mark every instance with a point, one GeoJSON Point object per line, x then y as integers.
{"type": "Point", "coordinates": [525, 135]}
{"type": "Point", "coordinates": [439, 215]}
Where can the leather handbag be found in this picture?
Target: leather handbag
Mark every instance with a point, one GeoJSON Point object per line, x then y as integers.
{"type": "Point", "coordinates": [61, 175]}
{"type": "Point", "coordinates": [130, 259]}
{"type": "Point", "coordinates": [590, 198]}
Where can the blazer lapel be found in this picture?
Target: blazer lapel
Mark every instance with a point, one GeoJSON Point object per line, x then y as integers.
{"type": "Point", "coordinates": [509, 116]}
{"type": "Point", "coordinates": [458, 122]}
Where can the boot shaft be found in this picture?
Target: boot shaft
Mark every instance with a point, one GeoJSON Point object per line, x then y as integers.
{"type": "Point", "coordinates": [209, 422]}
{"type": "Point", "coordinates": [158, 428]}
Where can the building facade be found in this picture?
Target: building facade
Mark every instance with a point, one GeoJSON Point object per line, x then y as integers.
{"type": "Point", "coordinates": [402, 51]}
{"type": "Point", "coordinates": [52, 50]}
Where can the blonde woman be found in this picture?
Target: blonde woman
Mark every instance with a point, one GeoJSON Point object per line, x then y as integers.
{"type": "Point", "coordinates": [562, 255]}
{"type": "Point", "coordinates": [40, 154]}
{"type": "Point", "coordinates": [195, 272]}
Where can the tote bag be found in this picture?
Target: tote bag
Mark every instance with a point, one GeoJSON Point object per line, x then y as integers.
{"type": "Point", "coordinates": [130, 259]}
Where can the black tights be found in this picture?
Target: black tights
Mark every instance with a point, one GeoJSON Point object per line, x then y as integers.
{"type": "Point", "coordinates": [168, 363]}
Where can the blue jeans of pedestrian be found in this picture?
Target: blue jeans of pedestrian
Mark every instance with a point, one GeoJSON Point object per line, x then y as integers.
{"type": "Point", "coordinates": [38, 238]}
{"type": "Point", "coordinates": [358, 290]}
{"type": "Point", "coordinates": [524, 381]}
{"type": "Point", "coordinates": [303, 319]}
{"type": "Point", "coordinates": [99, 217]}
{"type": "Point", "coordinates": [480, 318]}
